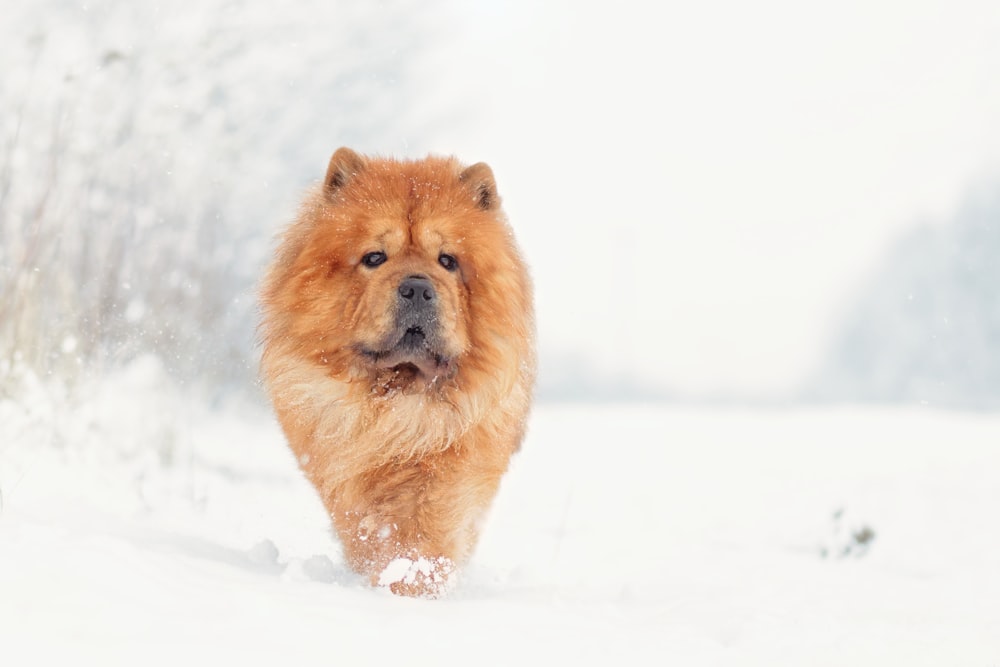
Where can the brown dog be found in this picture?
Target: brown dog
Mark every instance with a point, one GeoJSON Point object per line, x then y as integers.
{"type": "Point", "coordinates": [398, 352]}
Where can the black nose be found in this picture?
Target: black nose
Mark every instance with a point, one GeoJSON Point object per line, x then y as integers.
{"type": "Point", "coordinates": [417, 289]}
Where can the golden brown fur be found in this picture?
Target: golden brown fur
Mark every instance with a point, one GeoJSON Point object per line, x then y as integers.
{"type": "Point", "coordinates": [406, 449]}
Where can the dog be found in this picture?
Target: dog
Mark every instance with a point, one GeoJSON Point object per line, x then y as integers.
{"type": "Point", "coordinates": [398, 352]}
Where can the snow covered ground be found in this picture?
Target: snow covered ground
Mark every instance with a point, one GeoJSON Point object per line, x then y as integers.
{"type": "Point", "coordinates": [142, 527]}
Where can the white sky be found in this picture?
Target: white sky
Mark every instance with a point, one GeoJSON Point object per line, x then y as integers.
{"type": "Point", "coordinates": [700, 187]}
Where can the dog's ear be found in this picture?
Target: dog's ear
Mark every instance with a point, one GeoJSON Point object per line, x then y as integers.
{"type": "Point", "coordinates": [344, 165]}
{"type": "Point", "coordinates": [479, 180]}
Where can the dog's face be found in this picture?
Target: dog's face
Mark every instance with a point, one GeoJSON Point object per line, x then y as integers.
{"type": "Point", "coordinates": [406, 303]}
{"type": "Point", "coordinates": [397, 271]}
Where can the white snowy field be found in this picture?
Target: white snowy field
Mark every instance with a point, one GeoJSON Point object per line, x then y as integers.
{"type": "Point", "coordinates": [140, 527]}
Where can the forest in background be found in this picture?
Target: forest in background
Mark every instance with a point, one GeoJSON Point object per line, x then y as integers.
{"type": "Point", "coordinates": [148, 156]}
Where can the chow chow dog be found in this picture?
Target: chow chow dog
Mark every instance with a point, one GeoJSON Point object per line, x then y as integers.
{"type": "Point", "coordinates": [398, 351]}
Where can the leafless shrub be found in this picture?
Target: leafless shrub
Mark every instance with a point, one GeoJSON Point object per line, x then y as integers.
{"type": "Point", "coordinates": [149, 153]}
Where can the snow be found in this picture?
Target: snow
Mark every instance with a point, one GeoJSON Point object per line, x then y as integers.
{"type": "Point", "coordinates": [140, 525]}
{"type": "Point", "coordinates": [143, 523]}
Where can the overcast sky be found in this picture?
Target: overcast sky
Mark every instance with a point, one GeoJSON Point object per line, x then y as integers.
{"type": "Point", "coordinates": [700, 187]}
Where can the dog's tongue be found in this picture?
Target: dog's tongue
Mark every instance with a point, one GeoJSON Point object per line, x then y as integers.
{"type": "Point", "coordinates": [409, 366]}
{"type": "Point", "coordinates": [405, 373]}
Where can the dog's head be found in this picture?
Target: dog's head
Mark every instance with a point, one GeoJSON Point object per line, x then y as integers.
{"type": "Point", "coordinates": [402, 272]}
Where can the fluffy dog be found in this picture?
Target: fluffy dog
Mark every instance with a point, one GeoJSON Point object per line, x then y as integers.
{"type": "Point", "coordinates": [398, 351]}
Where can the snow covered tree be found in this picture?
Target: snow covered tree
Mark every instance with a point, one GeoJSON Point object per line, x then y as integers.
{"type": "Point", "coordinates": [927, 324]}
{"type": "Point", "coordinates": [148, 152]}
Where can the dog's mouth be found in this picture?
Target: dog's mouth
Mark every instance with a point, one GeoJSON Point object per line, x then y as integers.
{"type": "Point", "coordinates": [412, 357]}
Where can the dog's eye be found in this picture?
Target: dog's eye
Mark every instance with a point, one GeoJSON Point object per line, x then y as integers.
{"type": "Point", "coordinates": [373, 259]}
{"type": "Point", "coordinates": [448, 261]}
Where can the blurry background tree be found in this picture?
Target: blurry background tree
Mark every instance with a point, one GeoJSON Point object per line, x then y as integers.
{"type": "Point", "coordinates": [148, 153]}
{"type": "Point", "coordinates": [926, 325]}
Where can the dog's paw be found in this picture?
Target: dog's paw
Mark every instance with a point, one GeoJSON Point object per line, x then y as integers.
{"type": "Point", "coordinates": [418, 577]}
